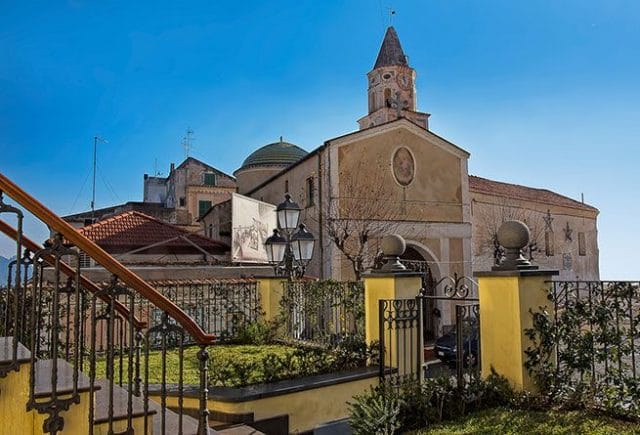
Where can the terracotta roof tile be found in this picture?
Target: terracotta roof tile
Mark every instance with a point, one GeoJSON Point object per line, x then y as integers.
{"type": "Point", "coordinates": [132, 230]}
{"type": "Point", "coordinates": [515, 191]}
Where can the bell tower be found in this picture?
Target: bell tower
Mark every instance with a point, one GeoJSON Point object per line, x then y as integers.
{"type": "Point", "coordinates": [392, 89]}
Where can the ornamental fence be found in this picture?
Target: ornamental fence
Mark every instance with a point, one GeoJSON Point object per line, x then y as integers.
{"type": "Point", "coordinates": [322, 312]}
{"type": "Point", "coordinates": [591, 333]}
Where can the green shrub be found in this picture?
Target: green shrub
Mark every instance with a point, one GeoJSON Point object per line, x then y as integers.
{"type": "Point", "coordinates": [257, 333]}
{"type": "Point", "coordinates": [421, 404]}
{"type": "Point", "coordinates": [376, 412]}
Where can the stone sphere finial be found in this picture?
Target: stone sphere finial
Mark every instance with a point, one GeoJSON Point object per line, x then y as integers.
{"type": "Point", "coordinates": [393, 246]}
{"type": "Point", "coordinates": [514, 236]}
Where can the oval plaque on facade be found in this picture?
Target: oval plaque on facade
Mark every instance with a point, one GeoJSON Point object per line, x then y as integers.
{"type": "Point", "coordinates": [404, 167]}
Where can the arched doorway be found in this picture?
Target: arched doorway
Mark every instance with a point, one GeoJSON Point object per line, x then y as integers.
{"type": "Point", "coordinates": [417, 258]}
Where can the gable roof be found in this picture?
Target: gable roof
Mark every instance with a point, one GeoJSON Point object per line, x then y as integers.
{"type": "Point", "coordinates": [391, 52]}
{"type": "Point", "coordinates": [516, 191]}
{"type": "Point", "coordinates": [354, 134]}
{"type": "Point", "coordinates": [200, 162]}
{"type": "Point", "coordinates": [133, 230]}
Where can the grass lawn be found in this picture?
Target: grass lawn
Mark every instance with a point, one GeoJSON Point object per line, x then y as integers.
{"type": "Point", "coordinates": [250, 356]}
{"type": "Point", "coordinates": [505, 421]}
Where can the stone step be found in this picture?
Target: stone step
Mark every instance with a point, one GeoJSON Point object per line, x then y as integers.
{"type": "Point", "coordinates": [6, 352]}
{"type": "Point", "coordinates": [120, 403]}
{"type": "Point", "coordinates": [64, 379]}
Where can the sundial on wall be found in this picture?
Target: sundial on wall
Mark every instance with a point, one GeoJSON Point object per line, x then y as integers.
{"type": "Point", "coordinates": [404, 167]}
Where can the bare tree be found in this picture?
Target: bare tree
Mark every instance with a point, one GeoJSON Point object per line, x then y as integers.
{"type": "Point", "coordinates": [365, 210]}
{"type": "Point", "coordinates": [495, 215]}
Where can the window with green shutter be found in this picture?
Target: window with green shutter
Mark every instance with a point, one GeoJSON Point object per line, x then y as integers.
{"type": "Point", "coordinates": [209, 179]}
{"type": "Point", "coordinates": [203, 207]}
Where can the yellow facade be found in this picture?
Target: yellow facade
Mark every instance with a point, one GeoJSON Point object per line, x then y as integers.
{"type": "Point", "coordinates": [16, 420]}
{"type": "Point", "coordinates": [306, 409]}
{"type": "Point", "coordinates": [506, 299]}
{"type": "Point", "coordinates": [270, 290]}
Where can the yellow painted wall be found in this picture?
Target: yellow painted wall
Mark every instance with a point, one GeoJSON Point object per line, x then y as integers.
{"type": "Point", "coordinates": [14, 395]}
{"type": "Point", "coordinates": [14, 418]}
{"type": "Point", "coordinates": [76, 419]}
{"type": "Point", "coordinates": [385, 287]}
{"type": "Point", "coordinates": [306, 409]}
{"type": "Point", "coordinates": [505, 302]}
{"type": "Point", "coordinates": [270, 290]}
{"type": "Point", "coordinates": [435, 195]}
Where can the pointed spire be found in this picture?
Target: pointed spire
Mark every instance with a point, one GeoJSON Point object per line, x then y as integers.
{"type": "Point", "coordinates": [391, 51]}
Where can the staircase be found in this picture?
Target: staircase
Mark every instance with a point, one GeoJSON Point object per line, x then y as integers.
{"type": "Point", "coordinates": [81, 358]}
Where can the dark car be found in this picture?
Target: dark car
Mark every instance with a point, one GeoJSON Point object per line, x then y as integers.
{"type": "Point", "coordinates": [446, 345]}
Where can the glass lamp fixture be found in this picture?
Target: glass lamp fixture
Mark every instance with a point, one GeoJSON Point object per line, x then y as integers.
{"type": "Point", "coordinates": [289, 250]}
{"type": "Point", "coordinates": [302, 243]}
{"type": "Point", "coordinates": [288, 214]}
{"type": "Point", "coordinates": [276, 246]}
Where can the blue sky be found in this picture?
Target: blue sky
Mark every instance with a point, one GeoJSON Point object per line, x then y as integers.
{"type": "Point", "coordinates": [541, 93]}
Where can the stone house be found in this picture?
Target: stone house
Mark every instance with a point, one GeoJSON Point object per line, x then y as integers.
{"type": "Point", "coordinates": [190, 189]}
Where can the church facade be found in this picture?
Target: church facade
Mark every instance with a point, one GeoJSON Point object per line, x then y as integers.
{"type": "Point", "coordinates": [394, 175]}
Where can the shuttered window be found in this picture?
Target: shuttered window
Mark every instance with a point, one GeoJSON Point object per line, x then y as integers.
{"type": "Point", "coordinates": [203, 207]}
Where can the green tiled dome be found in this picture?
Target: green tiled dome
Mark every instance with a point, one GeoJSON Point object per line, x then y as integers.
{"type": "Point", "coordinates": [277, 153]}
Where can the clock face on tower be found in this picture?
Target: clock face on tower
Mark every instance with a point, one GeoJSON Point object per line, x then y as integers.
{"type": "Point", "coordinates": [404, 81]}
{"type": "Point", "coordinates": [403, 166]}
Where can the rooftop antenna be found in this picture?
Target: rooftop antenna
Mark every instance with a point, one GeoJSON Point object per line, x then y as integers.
{"type": "Point", "coordinates": [186, 142]}
{"type": "Point", "coordinates": [95, 164]}
{"type": "Point", "coordinates": [156, 172]}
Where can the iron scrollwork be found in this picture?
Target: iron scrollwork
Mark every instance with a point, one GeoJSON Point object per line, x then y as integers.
{"type": "Point", "coordinates": [455, 287]}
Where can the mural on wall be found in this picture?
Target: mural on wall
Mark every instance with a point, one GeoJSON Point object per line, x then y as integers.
{"type": "Point", "coordinates": [253, 221]}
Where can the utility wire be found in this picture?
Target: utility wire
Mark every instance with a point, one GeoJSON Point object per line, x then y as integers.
{"type": "Point", "coordinates": [80, 192]}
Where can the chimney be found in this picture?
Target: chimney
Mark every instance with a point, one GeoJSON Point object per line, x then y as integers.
{"type": "Point", "coordinates": [173, 167]}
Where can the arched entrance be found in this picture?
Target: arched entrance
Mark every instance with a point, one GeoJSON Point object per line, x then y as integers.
{"type": "Point", "coordinates": [418, 258]}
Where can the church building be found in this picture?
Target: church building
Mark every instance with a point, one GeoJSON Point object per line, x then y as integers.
{"type": "Point", "coordinates": [394, 175]}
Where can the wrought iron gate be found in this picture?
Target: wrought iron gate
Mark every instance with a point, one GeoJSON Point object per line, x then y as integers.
{"type": "Point", "coordinates": [404, 341]}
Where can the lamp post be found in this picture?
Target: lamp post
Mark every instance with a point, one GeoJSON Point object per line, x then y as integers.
{"type": "Point", "coordinates": [290, 248]}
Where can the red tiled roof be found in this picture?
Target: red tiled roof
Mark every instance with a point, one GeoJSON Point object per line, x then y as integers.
{"type": "Point", "coordinates": [507, 190]}
{"type": "Point", "coordinates": [132, 230]}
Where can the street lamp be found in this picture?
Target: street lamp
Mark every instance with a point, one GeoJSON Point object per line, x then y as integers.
{"type": "Point", "coordinates": [289, 252]}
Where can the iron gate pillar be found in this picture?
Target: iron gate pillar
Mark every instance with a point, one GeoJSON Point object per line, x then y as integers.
{"type": "Point", "coordinates": [507, 299]}
{"type": "Point", "coordinates": [387, 286]}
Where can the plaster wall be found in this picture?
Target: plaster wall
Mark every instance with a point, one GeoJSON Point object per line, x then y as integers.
{"type": "Point", "coordinates": [488, 212]}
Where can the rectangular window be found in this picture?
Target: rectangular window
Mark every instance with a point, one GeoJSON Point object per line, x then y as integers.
{"type": "Point", "coordinates": [286, 186]}
{"type": "Point", "coordinates": [85, 260]}
{"type": "Point", "coordinates": [182, 201]}
{"type": "Point", "coordinates": [209, 179]}
{"type": "Point", "coordinates": [582, 245]}
{"type": "Point", "coordinates": [203, 207]}
{"type": "Point", "coordinates": [310, 191]}
{"type": "Point", "coordinates": [548, 243]}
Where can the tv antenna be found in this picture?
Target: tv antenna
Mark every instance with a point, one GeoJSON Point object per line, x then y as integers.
{"type": "Point", "coordinates": [156, 171]}
{"type": "Point", "coordinates": [186, 142]}
{"type": "Point", "coordinates": [95, 164]}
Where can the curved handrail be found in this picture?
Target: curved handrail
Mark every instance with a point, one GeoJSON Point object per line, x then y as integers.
{"type": "Point", "coordinates": [104, 259]}
{"type": "Point", "coordinates": [67, 270]}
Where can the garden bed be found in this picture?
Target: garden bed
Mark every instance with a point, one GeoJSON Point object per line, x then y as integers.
{"type": "Point", "coordinates": [242, 365]}
{"type": "Point", "coordinates": [507, 421]}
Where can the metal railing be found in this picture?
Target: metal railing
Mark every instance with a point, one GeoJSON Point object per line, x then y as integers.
{"type": "Point", "coordinates": [87, 342]}
{"type": "Point", "coordinates": [322, 312]}
{"type": "Point", "coordinates": [596, 328]}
